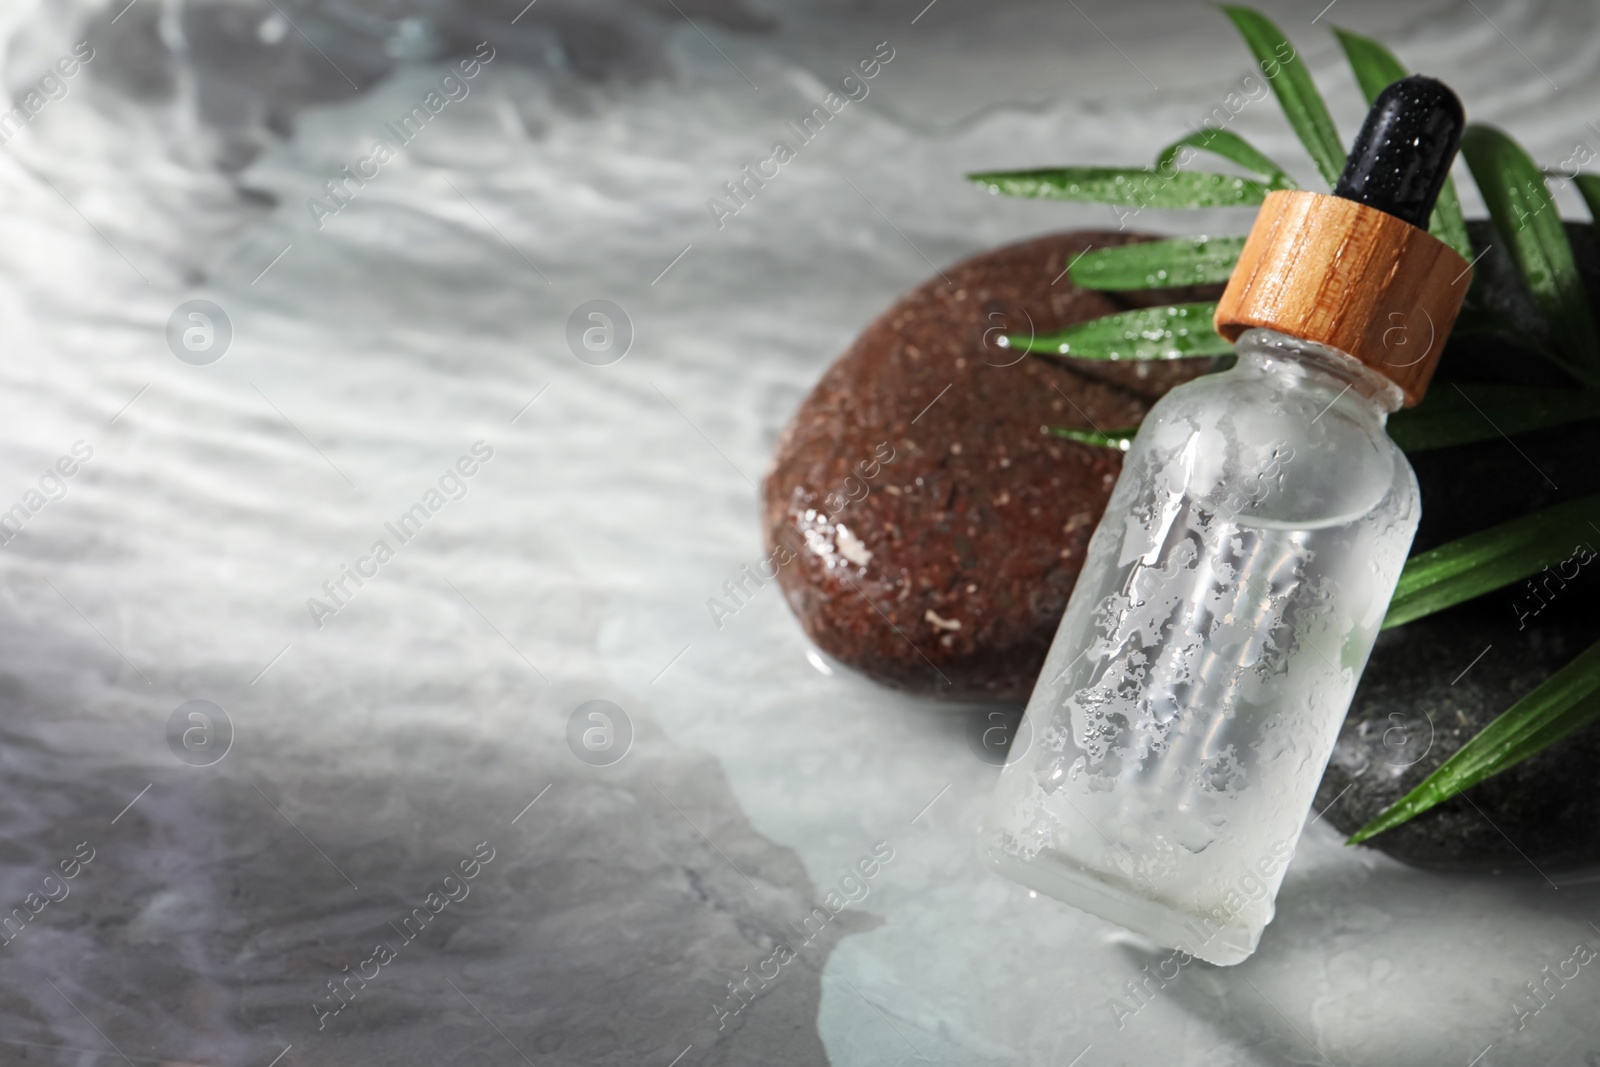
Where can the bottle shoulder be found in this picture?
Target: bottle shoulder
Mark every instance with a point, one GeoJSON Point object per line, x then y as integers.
{"type": "Point", "coordinates": [1273, 452]}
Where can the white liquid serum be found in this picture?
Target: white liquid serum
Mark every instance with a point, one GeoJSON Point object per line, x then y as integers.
{"type": "Point", "coordinates": [1234, 588]}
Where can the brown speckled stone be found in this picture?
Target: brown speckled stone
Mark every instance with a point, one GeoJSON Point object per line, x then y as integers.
{"type": "Point", "coordinates": [948, 571]}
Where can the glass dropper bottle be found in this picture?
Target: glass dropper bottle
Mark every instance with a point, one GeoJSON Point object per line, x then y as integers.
{"type": "Point", "coordinates": [1235, 585]}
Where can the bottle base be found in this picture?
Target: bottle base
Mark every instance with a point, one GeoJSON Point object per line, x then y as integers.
{"type": "Point", "coordinates": [1216, 937]}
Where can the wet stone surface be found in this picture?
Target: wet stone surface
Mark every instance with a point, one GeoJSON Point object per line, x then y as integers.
{"type": "Point", "coordinates": [937, 525]}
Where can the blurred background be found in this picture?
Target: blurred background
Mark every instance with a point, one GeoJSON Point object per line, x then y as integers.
{"type": "Point", "coordinates": [254, 376]}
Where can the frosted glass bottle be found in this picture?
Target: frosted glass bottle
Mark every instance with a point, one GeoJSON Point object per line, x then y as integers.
{"type": "Point", "coordinates": [1224, 613]}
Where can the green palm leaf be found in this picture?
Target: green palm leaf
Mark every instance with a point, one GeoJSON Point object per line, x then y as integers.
{"type": "Point", "coordinates": [1175, 331]}
{"type": "Point", "coordinates": [1589, 189]}
{"type": "Point", "coordinates": [1229, 146]}
{"type": "Point", "coordinates": [1118, 439]}
{"type": "Point", "coordinates": [1126, 186]}
{"type": "Point", "coordinates": [1291, 83]}
{"type": "Point", "coordinates": [1527, 221]}
{"type": "Point", "coordinates": [1155, 264]}
{"type": "Point", "coordinates": [1492, 558]}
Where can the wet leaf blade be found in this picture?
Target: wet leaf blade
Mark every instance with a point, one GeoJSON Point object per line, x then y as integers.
{"type": "Point", "coordinates": [1119, 439]}
{"type": "Point", "coordinates": [1447, 224]}
{"type": "Point", "coordinates": [1174, 331]}
{"type": "Point", "coordinates": [1526, 220]}
{"type": "Point", "coordinates": [1490, 559]}
{"type": "Point", "coordinates": [1156, 264]}
{"type": "Point", "coordinates": [1125, 186]}
{"type": "Point", "coordinates": [1376, 68]}
{"type": "Point", "coordinates": [1229, 146]}
{"type": "Point", "coordinates": [1462, 414]}
{"type": "Point", "coordinates": [1291, 83]}
{"type": "Point", "coordinates": [1564, 702]}
{"type": "Point", "coordinates": [1589, 189]}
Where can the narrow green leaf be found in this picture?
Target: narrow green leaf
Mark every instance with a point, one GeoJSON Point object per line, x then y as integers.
{"type": "Point", "coordinates": [1446, 222]}
{"type": "Point", "coordinates": [1589, 189]}
{"type": "Point", "coordinates": [1229, 146]}
{"type": "Point", "coordinates": [1461, 414]}
{"type": "Point", "coordinates": [1156, 264]}
{"type": "Point", "coordinates": [1496, 557]}
{"type": "Point", "coordinates": [1175, 331]}
{"type": "Point", "coordinates": [1291, 83]}
{"type": "Point", "coordinates": [1376, 69]}
{"type": "Point", "coordinates": [1118, 439]}
{"type": "Point", "coordinates": [1126, 186]}
{"type": "Point", "coordinates": [1564, 702]}
{"type": "Point", "coordinates": [1526, 219]}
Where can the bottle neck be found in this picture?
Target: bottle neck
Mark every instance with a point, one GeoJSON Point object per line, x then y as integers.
{"type": "Point", "coordinates": [1318, 366]}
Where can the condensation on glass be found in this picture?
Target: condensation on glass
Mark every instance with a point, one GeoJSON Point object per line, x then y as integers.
{"type": "Point", "coordinates": [1223, 616]}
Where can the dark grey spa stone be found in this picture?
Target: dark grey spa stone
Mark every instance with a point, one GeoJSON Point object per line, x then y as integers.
{"type": "Point", "coordinates": [1432, 684]}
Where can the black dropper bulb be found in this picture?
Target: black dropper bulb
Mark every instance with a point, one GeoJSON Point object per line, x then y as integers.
{"type": "Point", "coordinates": [1404, 150]}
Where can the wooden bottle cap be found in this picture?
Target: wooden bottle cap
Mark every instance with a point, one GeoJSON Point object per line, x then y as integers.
{"type": "Point", "coordinates": [1351, 277]}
